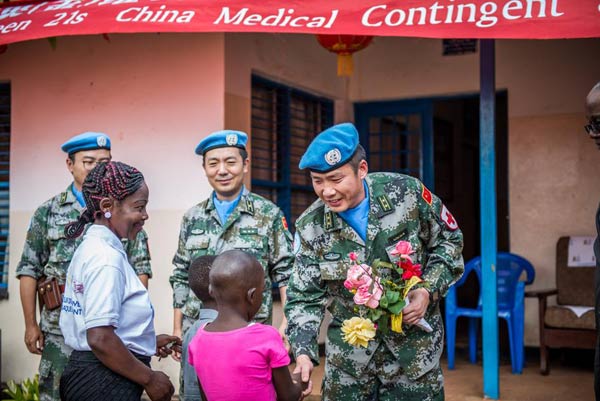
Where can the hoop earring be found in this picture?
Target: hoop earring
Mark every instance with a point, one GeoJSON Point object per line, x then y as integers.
{"type": "Point", "coordinates": [107, 214]}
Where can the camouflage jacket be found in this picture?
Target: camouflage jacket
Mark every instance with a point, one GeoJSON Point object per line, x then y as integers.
{"type": "Point", "coordinates": [47, 252]}
{"type": "Point", "coordinates": [401, 208]}
{"type": "Point", "coordinates": [256, 226]}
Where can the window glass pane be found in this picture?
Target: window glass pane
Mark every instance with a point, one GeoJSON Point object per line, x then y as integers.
{"type": "Point", "coordinates": [395, 144]}
{"type": "Point", "coordinates": [284, 122]}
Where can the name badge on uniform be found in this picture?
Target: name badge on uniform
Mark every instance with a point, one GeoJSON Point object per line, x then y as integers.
{"type": "Point", "coordinates": [248, 231]}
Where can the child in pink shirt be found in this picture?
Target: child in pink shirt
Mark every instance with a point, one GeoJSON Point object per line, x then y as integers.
{"type": "Point", "coordinates": [234, 358]}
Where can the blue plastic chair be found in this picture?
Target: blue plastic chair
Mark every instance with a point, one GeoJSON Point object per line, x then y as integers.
{"type": "Point", "coordinates": [511, 293]}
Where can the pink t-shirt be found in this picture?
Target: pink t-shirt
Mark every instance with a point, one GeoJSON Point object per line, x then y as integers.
{"type": "Point", "coordinates": [236, 365]}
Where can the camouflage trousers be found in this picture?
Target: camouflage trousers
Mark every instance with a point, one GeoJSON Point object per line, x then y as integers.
{"type": "Point", "coordinates": [54, 360]}
{"type": "Point", "coordinates": [185, 326]}
{"type": "Point", "coordinates": [382, 380]}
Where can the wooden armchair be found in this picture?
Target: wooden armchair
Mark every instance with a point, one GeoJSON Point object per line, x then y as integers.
{"type": "Point", "coordinates": [560, 326]}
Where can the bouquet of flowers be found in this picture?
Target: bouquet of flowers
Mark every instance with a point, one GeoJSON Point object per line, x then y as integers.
{"type": "Point", "coordinates": [380, 301]}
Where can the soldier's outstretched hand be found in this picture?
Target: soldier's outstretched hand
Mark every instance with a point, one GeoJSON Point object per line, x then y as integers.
{"type": "Point", "coordinates": [304, 366]}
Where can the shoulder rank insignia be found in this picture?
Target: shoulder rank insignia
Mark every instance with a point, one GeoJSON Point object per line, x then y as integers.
{"type": "Point", "coordinates": [426, 194]}
{"type": "Point", "coordinates": [63, 197]}
{"type": "Point", "coordinates": [385, 203]}
{"type": "Point", "coordinates": [249, 206]}
{"type": "Point", "coordinates": [328, 223]}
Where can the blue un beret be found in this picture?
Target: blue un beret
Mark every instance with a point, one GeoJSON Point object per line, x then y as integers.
{"type": "Point", "coordinates": [86, 141]}
{"type": "Point", "coordinates": [221, 139]}
{"type": "Point", "coordinates": [331, 149]}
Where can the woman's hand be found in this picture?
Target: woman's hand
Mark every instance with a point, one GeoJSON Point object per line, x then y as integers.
{"type": "Point", "coordinates": [159, 387]}
{"type": "Point", "coordinates": [166, 345]}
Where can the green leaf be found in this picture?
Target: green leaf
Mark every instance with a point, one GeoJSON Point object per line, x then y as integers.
{"type": "Point", "coordinates": [383, 325]}
{"type": "Point", "coordinates": [375, 314]}
{"type": "Point", "coordinates": [383, 302]}
{"type": "Point", "coordinates": [397, 307]}
{"type": "Point", "coordinates": [28, 390]}
{"type": "Point", "coordinates": [379, 264]}
{"type": "Point", "coordinates": [392, 296]}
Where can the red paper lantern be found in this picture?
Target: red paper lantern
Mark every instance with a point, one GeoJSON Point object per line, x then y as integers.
{"type": "Point", "coordinates": [344, 46]}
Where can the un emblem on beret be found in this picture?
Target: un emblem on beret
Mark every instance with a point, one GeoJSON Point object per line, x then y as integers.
{"type": "Point", "coordinates": [101, 141]}
{"type": "Point", "coordinates": [333, 157]}
{"type": "Point", "coordinates": [231, 139]}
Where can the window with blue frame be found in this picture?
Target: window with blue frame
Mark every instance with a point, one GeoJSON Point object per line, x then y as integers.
{"type": "Point", "coordinates": [4, 184]}
{"type": "Point", "coordinates": [284, 122]}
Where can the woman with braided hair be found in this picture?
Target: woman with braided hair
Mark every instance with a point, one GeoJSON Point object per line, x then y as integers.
{"type": "Point", "coordinates": [106, 316]}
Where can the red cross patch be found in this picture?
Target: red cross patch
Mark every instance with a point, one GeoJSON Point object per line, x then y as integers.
{"type": "Point", "coordinates": [426, 194]}
{"type": "Point", "coordinates": [448, 218]}
{"type": "Point", "coordinates": [284, 223]}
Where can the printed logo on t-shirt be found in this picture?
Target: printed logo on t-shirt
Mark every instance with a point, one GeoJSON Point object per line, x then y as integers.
{"type": "Point", "coordinates": [77, 287]}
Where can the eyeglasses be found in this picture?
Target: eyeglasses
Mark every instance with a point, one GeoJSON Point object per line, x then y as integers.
{"type": "Point", "coordinates": [593, 128]}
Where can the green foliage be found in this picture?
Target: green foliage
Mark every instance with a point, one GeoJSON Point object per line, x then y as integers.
{"type": "Point", "coordinates": [27, 390]}
{"type": "Point", "coordinates": [397, 307]}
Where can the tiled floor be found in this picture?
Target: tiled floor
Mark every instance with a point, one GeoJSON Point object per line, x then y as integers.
{"type": "Point", "coordinates": [566, 382]}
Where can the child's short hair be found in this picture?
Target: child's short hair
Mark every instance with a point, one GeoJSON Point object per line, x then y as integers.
{"type": "Point", "coordinates": [198, 276]}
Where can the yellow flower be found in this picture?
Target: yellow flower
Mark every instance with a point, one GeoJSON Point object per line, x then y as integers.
{"type": "Point", "coordinates": [397, 323]}
{"type": "Point", "coordinates": [358, 331]}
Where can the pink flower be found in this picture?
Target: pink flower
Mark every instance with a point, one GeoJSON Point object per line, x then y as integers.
{"type": "Point", "coordinates": [369, 294]}
{"type": "Point", "coordinates": [357, 275]}
{"type": "Point", "coordinates": [403, 249]}
{"type": "Point", "coordinates": [353, 256]}
{"type": "Point", "coordinates": [409, 269]}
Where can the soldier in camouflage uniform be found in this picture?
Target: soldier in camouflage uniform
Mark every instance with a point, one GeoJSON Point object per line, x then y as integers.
{"type": "Point", "coordinates": [47, 253]}
{"type": "Point", "coordinates": [231, 218]}
{"type": "Point", "coordinates": [592, 106]}
{"type": "Point", "coordinates": [368, 214]}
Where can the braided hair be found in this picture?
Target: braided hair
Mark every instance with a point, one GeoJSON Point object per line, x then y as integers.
{"type": "Point", "coordinates": [112, 179]}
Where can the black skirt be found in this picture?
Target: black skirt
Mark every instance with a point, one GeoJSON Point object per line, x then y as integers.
{"type": "Point", "coordinates": [85, 378]}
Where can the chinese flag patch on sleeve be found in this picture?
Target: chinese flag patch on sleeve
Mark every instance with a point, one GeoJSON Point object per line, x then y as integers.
{"type": "Point", "coordinates": [284, 223]}
{"type": "Point", "coordinates": [426, 194]}
{"type": "Point", "coordinates": [448, 218]}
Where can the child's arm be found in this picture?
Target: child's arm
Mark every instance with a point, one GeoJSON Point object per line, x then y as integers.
{"type": "Point", "coordinates": [286, 388]}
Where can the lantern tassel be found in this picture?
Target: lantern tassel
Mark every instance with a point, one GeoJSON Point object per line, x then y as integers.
{"type": "Point", "coordinates": [345, 66]}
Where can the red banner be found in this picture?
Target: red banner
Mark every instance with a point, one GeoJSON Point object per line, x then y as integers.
{"type": "Point", "coordinates": [519, 19]}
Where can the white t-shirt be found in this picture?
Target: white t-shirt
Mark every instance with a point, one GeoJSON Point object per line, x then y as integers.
{"type": "Point", "coordinates": [102, 289]}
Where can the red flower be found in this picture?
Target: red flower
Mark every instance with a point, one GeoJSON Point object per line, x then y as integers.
{"type": "Point", "coordinates": [409, 269]}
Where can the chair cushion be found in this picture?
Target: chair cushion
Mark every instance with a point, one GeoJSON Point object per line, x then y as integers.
{"type": "Point", "coordinates": [564, 318]}
{"type": "Point", "coordinates": [575, 284]}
